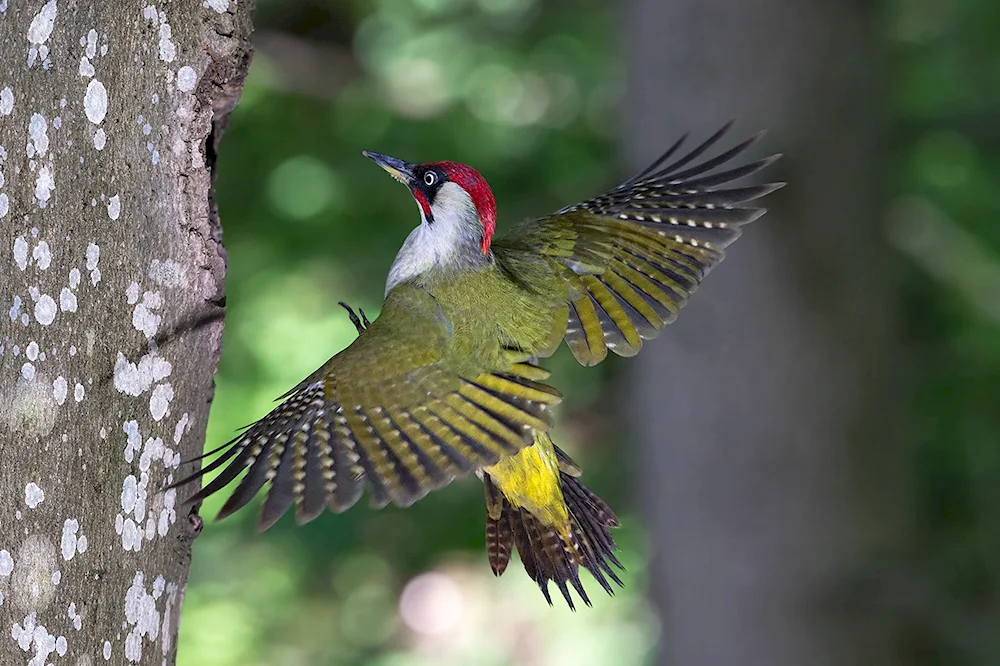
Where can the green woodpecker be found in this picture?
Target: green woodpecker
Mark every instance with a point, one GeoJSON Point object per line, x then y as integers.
{"type": "Point", "coordinates": [445, 382]}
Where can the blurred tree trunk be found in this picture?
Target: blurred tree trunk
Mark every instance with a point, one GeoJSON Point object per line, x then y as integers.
{"type": "Point", "coordinates": [111, 284]}
{"type": "Point", "coordinates": [768, 416]}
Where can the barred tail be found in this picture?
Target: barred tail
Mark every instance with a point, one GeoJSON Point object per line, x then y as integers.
{"type": "Point", "coordinates": [546, 556]}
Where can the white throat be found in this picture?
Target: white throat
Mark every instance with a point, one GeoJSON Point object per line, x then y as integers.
{"type": "Point", "coordinates": [453, 238]}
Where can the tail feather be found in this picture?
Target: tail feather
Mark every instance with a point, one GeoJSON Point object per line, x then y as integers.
{"type": "Point", "coordinates": [499, 543]}
{"type": "Point", "coordinates": [592, 520]}
{"type": "Point", "coordinates": [545, 555]}
{"type": "Point", "coordinates": [499, 532]}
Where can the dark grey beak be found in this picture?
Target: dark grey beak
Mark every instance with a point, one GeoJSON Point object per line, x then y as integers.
{"type": "Point", "coordinates": [398, 169]}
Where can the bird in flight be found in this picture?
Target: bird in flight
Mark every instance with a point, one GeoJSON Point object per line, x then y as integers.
{"type": "Point", "coordinates": [446, 381]}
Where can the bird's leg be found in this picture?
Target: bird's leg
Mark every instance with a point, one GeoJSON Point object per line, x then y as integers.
{"type": "Point", "coordinates": [359, 323]}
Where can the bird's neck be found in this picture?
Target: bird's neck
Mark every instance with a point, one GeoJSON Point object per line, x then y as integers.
{"type": "Point", "coordinates": [452, 242]}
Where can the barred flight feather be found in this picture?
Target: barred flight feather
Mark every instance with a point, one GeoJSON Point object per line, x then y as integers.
{"type": "Point", "coordinates": [313, 452]}
{"type": "Point", "coordinates": [632, 256]}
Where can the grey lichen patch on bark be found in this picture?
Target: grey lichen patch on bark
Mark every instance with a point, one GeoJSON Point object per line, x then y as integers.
{"type": "Point", "coordinates": [112, 275]}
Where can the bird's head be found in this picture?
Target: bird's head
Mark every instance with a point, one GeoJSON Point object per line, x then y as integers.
{"type": "Point", "coordinates": [455, 202]}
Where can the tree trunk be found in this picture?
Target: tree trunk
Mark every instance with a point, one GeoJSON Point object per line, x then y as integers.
{"type": "Point", "coordinates": [112, 290]}
{"type": "Point", "coordinates": [768, 416]}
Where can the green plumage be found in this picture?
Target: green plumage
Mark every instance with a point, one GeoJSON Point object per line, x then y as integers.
{"type": "Point", "coordinates": [444, 382]}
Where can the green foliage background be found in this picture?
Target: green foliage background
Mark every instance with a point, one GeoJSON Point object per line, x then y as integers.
{"type": "Point", "coordinates": [528, 92]}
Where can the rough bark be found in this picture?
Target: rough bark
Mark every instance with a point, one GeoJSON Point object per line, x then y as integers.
{"type": "Point", "coordinates": [768, 417]}
{"type": "Point", "coordinates": [111, 281]}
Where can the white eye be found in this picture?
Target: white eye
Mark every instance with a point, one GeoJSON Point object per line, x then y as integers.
{"type": "Point", "coordinates": [430, 178]}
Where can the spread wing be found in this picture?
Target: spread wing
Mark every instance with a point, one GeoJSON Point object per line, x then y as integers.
{"type": "Point", "coordinates": [632, 256]}
{"type": "Point", "coordinates": [388, 414]}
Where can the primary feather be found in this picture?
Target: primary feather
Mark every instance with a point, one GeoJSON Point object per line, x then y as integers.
{"type": "Point", "coordinates": [630, 258]}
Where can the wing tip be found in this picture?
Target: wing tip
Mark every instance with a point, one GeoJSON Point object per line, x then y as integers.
{"type": "Point", "coordinates": [771, 159]}
{"type": "Point", "coordinates": [266, 521]}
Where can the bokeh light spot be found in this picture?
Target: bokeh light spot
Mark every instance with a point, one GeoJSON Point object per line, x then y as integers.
{"type": "Point", "coordinates": [431, 604]}
{"type": "Point", "coordinates": [361, 567]}
{"type": "Point", "coordinates": [302, 187]}
{"type": "Point", "coordinates": [498, 94]}
{"type": "Point", "coordinates": [417, 87]}
{"type": "Point", "coordinates": [370, 617]}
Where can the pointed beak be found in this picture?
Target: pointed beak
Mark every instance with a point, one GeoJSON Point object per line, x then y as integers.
{"type": "Point", "coordinates": [398, 169]}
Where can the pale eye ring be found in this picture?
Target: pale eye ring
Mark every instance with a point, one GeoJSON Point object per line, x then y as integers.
{"type": "Point", "coordinates": [430, 178]}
